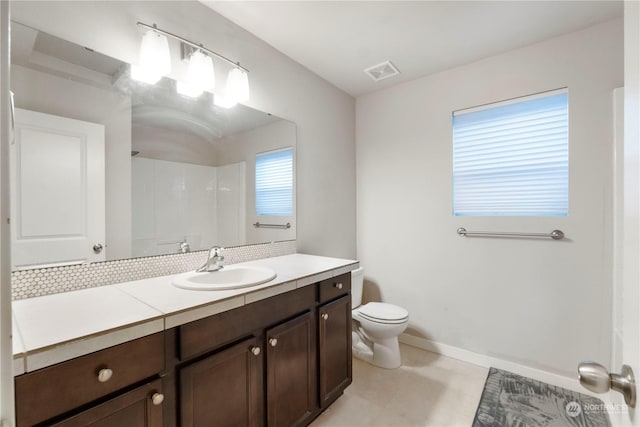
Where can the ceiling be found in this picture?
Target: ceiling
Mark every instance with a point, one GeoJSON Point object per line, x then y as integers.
{"type": "Point", "coordinates": [337, 40]}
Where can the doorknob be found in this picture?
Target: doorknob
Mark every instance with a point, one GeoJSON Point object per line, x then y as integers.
{"type": "Point", "coordinates": [97, 248]}
{"type": "Point", "coordinates": [595, 377]}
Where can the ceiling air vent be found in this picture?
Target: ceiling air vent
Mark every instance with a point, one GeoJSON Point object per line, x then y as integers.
{"type": "Point", "coordinates": [382, 71]}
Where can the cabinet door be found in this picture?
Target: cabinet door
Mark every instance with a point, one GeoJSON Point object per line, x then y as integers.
{"type": "Point", "coordinates": [224, 389]}
{"type": "Point", "coordinates": [141, 407]}
{"type": "Point", "coordinates": [334, 349]}
{"type": "Point", "coordinates": [291, 372]}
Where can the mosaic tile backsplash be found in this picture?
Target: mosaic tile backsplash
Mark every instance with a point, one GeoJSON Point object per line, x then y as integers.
{"type": "Point", "coordinates": [54, 280]}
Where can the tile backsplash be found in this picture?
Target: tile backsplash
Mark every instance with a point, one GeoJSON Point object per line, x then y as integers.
{"type": "Point", "coordinates": [53, 280]}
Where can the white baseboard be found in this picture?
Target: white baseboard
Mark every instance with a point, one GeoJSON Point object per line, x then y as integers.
{"type": "Point", "coordinates": [489, 361]}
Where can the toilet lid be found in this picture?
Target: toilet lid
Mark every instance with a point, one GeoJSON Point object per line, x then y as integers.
{"type": "Point", "coordinates": [384, 313]}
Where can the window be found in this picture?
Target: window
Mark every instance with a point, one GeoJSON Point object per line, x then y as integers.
{"type": "Point", "coordinates": [274, 183]}
{"type": "Point", "coordinates": [512, 158]}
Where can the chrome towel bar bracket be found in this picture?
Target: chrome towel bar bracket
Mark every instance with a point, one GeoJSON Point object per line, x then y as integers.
{"type": "Point", "coordinates": [555, 234]}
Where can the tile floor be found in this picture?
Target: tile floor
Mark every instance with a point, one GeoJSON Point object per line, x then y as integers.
{"type": "Point", "coordinates": [428, 390]}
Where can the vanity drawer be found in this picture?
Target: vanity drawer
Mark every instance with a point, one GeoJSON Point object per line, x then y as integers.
{"type": "Point", "coordinates": [335, 287]}
{"type": "Point", "coordinates": [212, 332]}
{"type": "Point", "coordinates": [57, 389]}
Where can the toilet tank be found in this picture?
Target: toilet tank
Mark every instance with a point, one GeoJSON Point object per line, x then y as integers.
{"type": "Point", "coordinates": [357, 279]}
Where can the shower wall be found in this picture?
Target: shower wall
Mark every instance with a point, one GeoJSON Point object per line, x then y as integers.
{"type": "Point", "coordinates": [181, 202]}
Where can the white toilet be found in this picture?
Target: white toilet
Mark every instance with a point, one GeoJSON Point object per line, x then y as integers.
{"type": "Point", "coordinates": [376, 327]}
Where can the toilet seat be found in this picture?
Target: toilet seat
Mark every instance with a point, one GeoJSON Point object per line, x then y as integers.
{"type": "Point", "coordinates": [379, 312]}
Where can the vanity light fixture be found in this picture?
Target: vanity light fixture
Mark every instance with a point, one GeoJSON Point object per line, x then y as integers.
{"type": "Point", "coordinates": [200, 76]}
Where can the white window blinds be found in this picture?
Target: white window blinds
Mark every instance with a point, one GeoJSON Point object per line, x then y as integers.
{"type": "Point", "coordinates": [512, 158]}
{"type": "Point", "coordinates": [274, 183]}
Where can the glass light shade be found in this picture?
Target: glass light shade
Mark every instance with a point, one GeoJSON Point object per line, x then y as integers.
{"type": "Point", "coordinates": [224, 101]}
{"type": "Point", "coordinates": [154, 54]}
{"type": "Point", "coordinates": [200, 74]}
{"type": "Point", "coordinates": [188, 90]}
{"type": "Point", "coordinates": [237, 85]}
{"type": "Point", "coordinates": [155, 60]}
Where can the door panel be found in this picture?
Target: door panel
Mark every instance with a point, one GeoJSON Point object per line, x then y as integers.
{"type": "Point", "coordinates": [133, 409]}
{"type": "Point", "coordinates": [57, 190]}
{"type": "Point", "coordinates": [291, 372]}
{"type": "Point", "coordinates": [626, 302]}
{"type": "Point", "coordinates": [631, 231]}
{"type": "Point", "coordinates": [224, 389]}
{"type": "Point", "coordinates": [334, 331]}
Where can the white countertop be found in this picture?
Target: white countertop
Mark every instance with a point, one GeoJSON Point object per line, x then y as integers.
{"type": "Point", "coordinates": [54, 328]}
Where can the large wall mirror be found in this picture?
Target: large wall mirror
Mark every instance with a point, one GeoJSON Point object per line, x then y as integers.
{"type": "Point", "coordinates": [104, 167]}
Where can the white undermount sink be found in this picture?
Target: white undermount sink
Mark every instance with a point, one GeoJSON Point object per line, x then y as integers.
{"type": "Point", "coordinates": [230, 277]}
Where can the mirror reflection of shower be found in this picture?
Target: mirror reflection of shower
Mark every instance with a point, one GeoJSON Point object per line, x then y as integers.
{"type": "Point", "coordinates": [178, 206]}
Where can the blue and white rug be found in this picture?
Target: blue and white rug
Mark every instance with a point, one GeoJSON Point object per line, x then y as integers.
{"type": "Point", "coordinates": [510, 400]}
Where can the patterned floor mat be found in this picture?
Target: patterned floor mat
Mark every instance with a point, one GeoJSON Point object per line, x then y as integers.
{"type": "Point", "coordinates": [510, 400]}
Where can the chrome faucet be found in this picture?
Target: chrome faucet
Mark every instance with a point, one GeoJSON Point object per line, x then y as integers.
{"type": "Point", "coordinates": [183, 247]}
{"type": "Point", "coordinates": [214, 260]}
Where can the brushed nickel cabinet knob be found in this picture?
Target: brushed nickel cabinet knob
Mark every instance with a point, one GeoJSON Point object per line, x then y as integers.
{"type": "Point", "coordinates": [104, 375]}
{"type": "Point", "coordinates": [157, 398]}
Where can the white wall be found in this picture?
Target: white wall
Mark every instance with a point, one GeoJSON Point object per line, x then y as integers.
{"type": "Point", "coordinates": [243, 147]}
{"type": "Point", "coordinates": [324, 115]}
{"type": "Point", "coordinates": [541, 303]}
{"type": "Point", "coordinates": [46, 93]}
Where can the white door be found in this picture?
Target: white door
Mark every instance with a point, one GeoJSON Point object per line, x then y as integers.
{"type": "Point", "coordinates": [631, 224]}
{"type": "Point", "coordinates": [6, 355]}
{"type": "Point", "coordinates": [626, 292]}
{"type": "Point", "coordinates": [57, 191]}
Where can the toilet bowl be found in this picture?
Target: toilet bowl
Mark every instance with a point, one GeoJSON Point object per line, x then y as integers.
{"type": "Point", "coordinates": [376, 327]}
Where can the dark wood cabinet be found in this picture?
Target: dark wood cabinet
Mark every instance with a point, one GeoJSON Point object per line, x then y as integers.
{"type": "Point", "coordinates": [53, 391]}
{"type": "Point", "coordinates": [141, 407]}
{"type": "Point", "coordinates": [277, 362]}
{"type": "Point", "coordinates": [224, 389]}
{"type": "Point", "coordinates": [292, 372]}
{"type": "Point", "coordinates": [299, 344]}
{"type": "Point", "coordinates": [334, 349]}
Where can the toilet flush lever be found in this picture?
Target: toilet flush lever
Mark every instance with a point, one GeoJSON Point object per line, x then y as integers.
{"type": "Point", "coordinates": [595, 377]}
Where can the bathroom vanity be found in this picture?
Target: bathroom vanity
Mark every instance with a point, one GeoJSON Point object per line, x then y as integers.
{"type": "Point", "coordinates": [278, 359]}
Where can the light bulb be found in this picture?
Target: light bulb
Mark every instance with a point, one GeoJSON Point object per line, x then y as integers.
{"type": "Point", "coordinates": [237, 85]}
